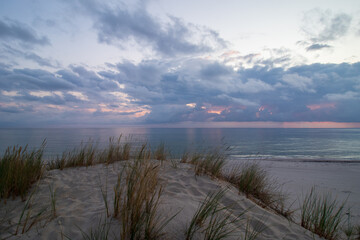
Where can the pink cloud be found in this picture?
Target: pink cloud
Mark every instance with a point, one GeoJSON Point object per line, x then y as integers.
{"type": "Point", "coordinates": [314, 107]}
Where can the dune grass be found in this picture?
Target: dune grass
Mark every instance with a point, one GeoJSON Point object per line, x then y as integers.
{"type": "Point", "coordinates": [118, 192]}
{"type": "Point", "coordinates": [104, 194]}
{"type": "Point", "coordinates": [210, 163]}
{"type": "Point", "coordinates": [206, 208]}
{"type": "Point", "coordinates": [321, 214]}
{"type": "Point", "coordinates": [88, 154]}
{"type": "Point", "coordinates": [30, 216]}
{"type": "Point", "coordinates": [137, 197]}
{"type": "Point", "coordinates": [211, 219]}
{"type": "Point", "coordinates": [253, 233]}
{"type": "Point", "coordinates": [52, 200]}
{"type": "Point", "coordinates": [254, 181]}
{"type": "Point", "coordinates": [85, 155]}
{"type": "Point", "coordinates": [99, 232]}
{"type": "Point", "coordinates": [160, 152]}
{"type": "Point", "coordinates": [19, 169]}
{"type": "Point", "coordinates": [116, 151]}
{"type": "Point", "coordinates": [248, 178]}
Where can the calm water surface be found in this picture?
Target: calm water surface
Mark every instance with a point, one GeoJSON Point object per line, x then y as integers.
{"type": "Point", "coordinates": [263, 144]}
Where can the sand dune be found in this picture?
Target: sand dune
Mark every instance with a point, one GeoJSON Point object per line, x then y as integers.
{"type": "Point", "coordinates": [80, 205]}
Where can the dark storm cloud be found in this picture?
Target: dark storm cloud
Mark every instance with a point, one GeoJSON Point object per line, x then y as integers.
{"type": "Point", "coordinates": [13, 30]}
{"type": "Point", "coordinates": [118, 24]}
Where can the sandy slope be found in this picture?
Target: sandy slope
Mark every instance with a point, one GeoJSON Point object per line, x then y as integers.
{"type": "Point", "coordinates": [297, 177]}
{"type": "Point", "coordinates": [80, 205]}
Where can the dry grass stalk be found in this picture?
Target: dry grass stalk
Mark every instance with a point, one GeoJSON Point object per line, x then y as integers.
{"type": "Point", "coordinates": [210, 163]}
{"type": "Point", "coordinates": [160, 152]}
{"type": "Point", "coordinates": [212, 219]}
{"type": "Point", "coordinates": [88, 154]}
{"type": "Point", "coordinates": [253, 233]}
{"type": "Point", "coordinates": [100, 232]}
{"type": "Point", "coordinates": [85, 155]}
{"type": "Point", "coordinates": [28, 218]}
{"type": "Point", "coordinates": [254, 181]}
{"type": "Point", "coordinates": [19, 169]}
{"type": "Point", "coordinates": [321, 214]}
{"type": "Point", "coordinates": [52, 200]}
{"type": "Point", "coordinates": [137, 198]}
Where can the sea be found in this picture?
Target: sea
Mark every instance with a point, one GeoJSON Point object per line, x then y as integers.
{"type": "Point", "coordinates": [284, 144]}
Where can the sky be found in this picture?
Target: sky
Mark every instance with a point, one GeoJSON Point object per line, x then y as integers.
{"type": "Point", "coordinates": [198, 63]}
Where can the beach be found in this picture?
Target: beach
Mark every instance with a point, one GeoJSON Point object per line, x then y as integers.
{"type": "Point", "coordinates": [334, 178]}
{"type": "Point", "coordinates": [80, 205]}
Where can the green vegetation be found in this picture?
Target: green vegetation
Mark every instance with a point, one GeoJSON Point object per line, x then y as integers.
{"type": "Point", "coordinates": [212, 219]}
{"type": "Point", "coordinates": [88, 154]}
{"type": "Point", "coordinates": [85, 155]}
{"type": "Point", "coordinates": [52, 200]}
{"type": "Point", "coordinates": [160, 152]}
{"type": "Point", "coordinates": [254, 181]}
{"type": "Point", "coordinates": [137, 197]}
{"type": "Point", "coordinates": [116, 151]}
{"type": "Point", "coordinates": [252, 233]}
{"type": "Point", "coordinates": [210, 163]}
{"type": "Point", "coordinates": [29, 217]}
{"type": "Point", "coordinates": [104, 195]}
{"type": "Point", "coordinates": [100, 232]}
{"type": "Point", "coordinates": [321, 214]}
{"type": "Point", "coordinates": [19, 169]}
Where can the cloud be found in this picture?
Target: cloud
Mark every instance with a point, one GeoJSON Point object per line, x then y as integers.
{"type": "Point", "coordinates": [14, 30]}
{"type": "Point", "coordinates": [268, 57]}
{"type": "Point", "coordinates": [10, 93]}
{"type": "Point", "coordinates": [79, 95]}
{"type": "Point", "coordinates": [349, 95]}
{"type": "Point", "coordinates": [41, 61]}
{"type": "Point", "coordinates": [116, 25]}
{"type": "Point", "coordinates": [299, 82]}
{"type": "Point", "coordinates": [321, 27]}
{"type": "Point", "coordinates": [32, 79]}
{"type": "Point", "coordinates": [317, 46]}
{"type": "Point", "coordinates": [254, 86]}
{"type": "Point", "coordinates": [160, 91]}
{"type": "Point", "coordinates": [7, 49]}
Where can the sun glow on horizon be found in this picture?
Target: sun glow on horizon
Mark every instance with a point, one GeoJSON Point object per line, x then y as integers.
{"type": "Point", "coordinates": [258, 124]}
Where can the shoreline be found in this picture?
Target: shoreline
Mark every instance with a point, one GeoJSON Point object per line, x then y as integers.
{"type": "Point", "coordinates": [296, 159]}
